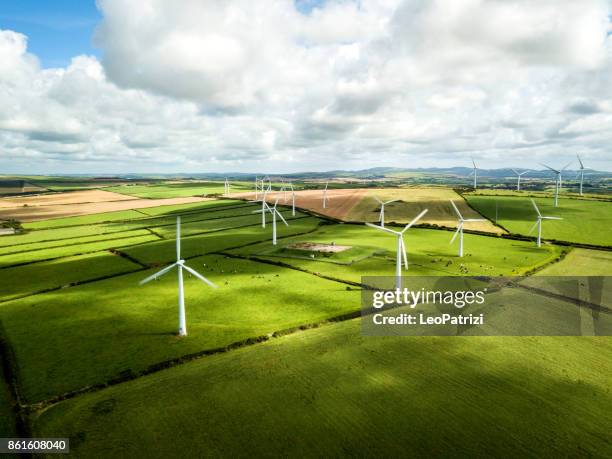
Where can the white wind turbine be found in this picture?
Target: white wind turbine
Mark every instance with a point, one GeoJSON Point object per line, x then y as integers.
{"type": "Point", "coordinates": [256, 187]}
{"type": "Point", "coordinates": [292, 199]}
{"type": "Point", "coordinates": [475, 173]}
{"type": "Point", "coordinates": [538, 223]}
{"type": "Point", "coordinates": [460, 227]}
{"type": "Point", "coordinates": [264, 204]}
{"type": "Point", "coordinates": [518, 178]}
{"type": "Point", "coordinates": [180, 265]}
{"type": "Point", "coordinates": [557, 180]}
{"type": "Point", "coordinates": [401, 247]}
{"type": "Point", "coordinates": [274, 211]}
{"type": "Point", "coordinates": [325, 195]}
{"type": "Point", "coordinates": [381, 218]}
{"type": "Point", "coordinates": [581, 173]}
{"type": "Point", "coordinates": [226, 186]}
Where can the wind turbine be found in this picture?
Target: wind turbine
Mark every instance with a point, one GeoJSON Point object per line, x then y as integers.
{"type": "Point", "coordinates": [475, 172]}
{"type": "Point", "coordinates": [581, 173]}
{"type": "Point", "coordinates": [180, 265]}
{"type": "Point", "coordinates": [557, 180]}
{"type": "Point", "coordinates": [518, 178]}
{"type": "Point", "coordinates": [292, 199]}
{"type": "Point", "coordinates": [226, 186]}
{"type": "Point", "coordinates": [274, 211]}
{"type": "Point", "coordinates": [256, 187]}
{"type": "Point", "coordinates": [538, 223]}
{"type": "Point", "coordinates": [325, 195]}
{"type": "Point", "coordinates": [401, 247]}
{"type": "Point", "coordinates": [382, 209]}
{"type": "Point", "coordinates": [460, 227]}
{"type": "Point", "coordinates": [264, 204]}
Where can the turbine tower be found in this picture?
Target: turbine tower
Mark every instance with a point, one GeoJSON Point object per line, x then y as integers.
{"type": "Point", "coordinates": [226, 187]}
{"type": "Point", "coordinates": [475, 173]}
{"type": "Point", "coordinates": [460, 227]}
{"type": "Point", "coordinates": [581, 173]}
{"type": "Point", "coordinates": [381, 217]}
{"type": "Point", "coordinates": [325, 195]}
{"type": "Point", "coordinates": [557, 180]}
{"type": "Point", "coordinates": [180, 265]}
{"type": "Point", "coordinates": [538, 223]}
{"type": "Point", "coordinates": [401, 247]}
{"type": "Point", "coordinates": [518, 178]}
{"type": "Point", "coordinates": [274, 211]}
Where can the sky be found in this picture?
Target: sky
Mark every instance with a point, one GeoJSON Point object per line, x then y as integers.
{"type": "Point", "coordinates": [279, 86]}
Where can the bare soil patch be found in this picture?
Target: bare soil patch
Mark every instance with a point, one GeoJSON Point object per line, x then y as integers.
{"type": "Point", "coordinates": [57, 199]}
{"type": "Point", "coordinates": [63, 208]}
{"type": "Point", "coordinates": [318, 247]}
{"type": "Point", "coordinates": [339, 202]}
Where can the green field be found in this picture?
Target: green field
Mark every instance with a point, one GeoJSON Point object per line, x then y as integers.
{"type": "Point", "coordinates": [75, 317]}
{"type": "Point", "coordinates": [584, 221]}
{"type": "Point", "coordinates": [176, 190]}
{"type": "Point", "coordinates": [429, 254]}
{"type": "Point", "coordinates": [348, 395]}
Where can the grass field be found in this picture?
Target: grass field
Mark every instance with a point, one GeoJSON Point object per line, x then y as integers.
{"type": "Point", "coordinates": [175, 190]}
{"type": "Point", "coordinates": [64, 341]}
{"type": "Point", "coordinates": [81, 319]}
{"type": "Point", "coordinates": [584, 221]}
{"type": "Point", "coordinates": [429, 253]}
{"type": "Point", "coordinates": [411, 201]}
{"type": "Point", "coordinates": [350, 395]}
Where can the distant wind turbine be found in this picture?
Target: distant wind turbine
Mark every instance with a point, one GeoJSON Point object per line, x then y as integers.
{"type": "Point", "coordinates": [518, 178]}
{"type": "Point", "coordinates": [460, 227]}
{"type": "Point", "coordinates": [325, 195]}
{"type": "Point", "coordinates": [180, 265]}
{"type": "Point", "coordinates": [581, 173]}
{"type": "Point", "coordinates": [557, 180]}
{"type": "Point", "coordinates": [382, 210]}
{"type": "Point", "coordinates": [401, 247]}
{"type": "Point", "coordinates": [226, 187]}
{"type": "Point", "coordinates": [538, 222]}
{"type": "Point", "coordinates": [274, 211]}
{"type": "Point", "coordinates": [475, 173]}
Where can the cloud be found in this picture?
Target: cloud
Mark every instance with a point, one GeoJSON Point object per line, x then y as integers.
{"type": "Point", "coordinates": [230, 84]}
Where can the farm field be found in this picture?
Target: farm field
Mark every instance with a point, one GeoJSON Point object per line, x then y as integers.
{"type": "Point", "coordinates": [429, 254]}
{"type": "Point", "coordinates": [80, 319]}
{"type": "Point", "coordinates": [581, 262]}
{"type": "Point", "coordinates": [411, 201]}
{"type": "Point", "coordinates": [351, 395]}
{"type": "Point", "coordinates": [64, 342]}
{"type": "Point", "coordinates": [584, 221]}
{"type": "Point", "coordinates": [339, 203]}
{"type": "Point", "coordinates": [57, 205]}
{"type": "Point", "coordinates": [36, 277]}
{"type": "Point", "coordinates": [175, 190]}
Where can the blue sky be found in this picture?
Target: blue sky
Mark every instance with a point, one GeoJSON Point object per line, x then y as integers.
{"type": "Point", "coordinates": [57, 30]}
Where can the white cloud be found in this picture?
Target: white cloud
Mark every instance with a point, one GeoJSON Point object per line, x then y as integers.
{"type": "Point", "coordinates": [242, 85]}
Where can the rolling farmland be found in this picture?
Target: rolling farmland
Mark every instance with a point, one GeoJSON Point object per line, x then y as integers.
{"type": "Point", "coordinates": [77, 321]}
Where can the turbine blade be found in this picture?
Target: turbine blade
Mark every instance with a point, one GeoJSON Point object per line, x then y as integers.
{"type": "Point", "coordinates": [281, 217]}
{"type": "Point", "coordinates": [199, 276]}
{"type": "Point", "coordinates": [385, 229]}
{"type": "Point", "coordinates": [548, 167]}
{"type": "Point", "coordinates": [580, 161]}
{"type": "Point", "coordinates": [475, 220]}
{"type": "Point", "coordinates": [552, 218]}
{"type": "Point", "coordinates": [414, 220]}
{"type": "Point", "coordinates": [533, 227]}
{"type": "Point", "coordinates": [456, 234]}
{"type": "Point", "coordinates": [456, 210]}
{"type": "Point", "coordinates": [404, 256]}
{"type": "Point", "coordinates": [393, 200]}
{"type": "Point", "coordinates": [516, 172]}
{"type": "Point", "coordinates": [536, 207]}
{"type": "Point", "coordinates": [378, 199]}
{"type": "Point", "coordinates": [178, 238]}
{"type": "Point", "coordinates": [157, 274]}
{"type": "Point", "coordinates": [566, 166]}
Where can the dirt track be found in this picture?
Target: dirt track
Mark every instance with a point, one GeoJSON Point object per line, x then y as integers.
{"type": "Point", "coordinates": [32, 208]}
{"type": "Point", "coordinates": [339, 202]}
